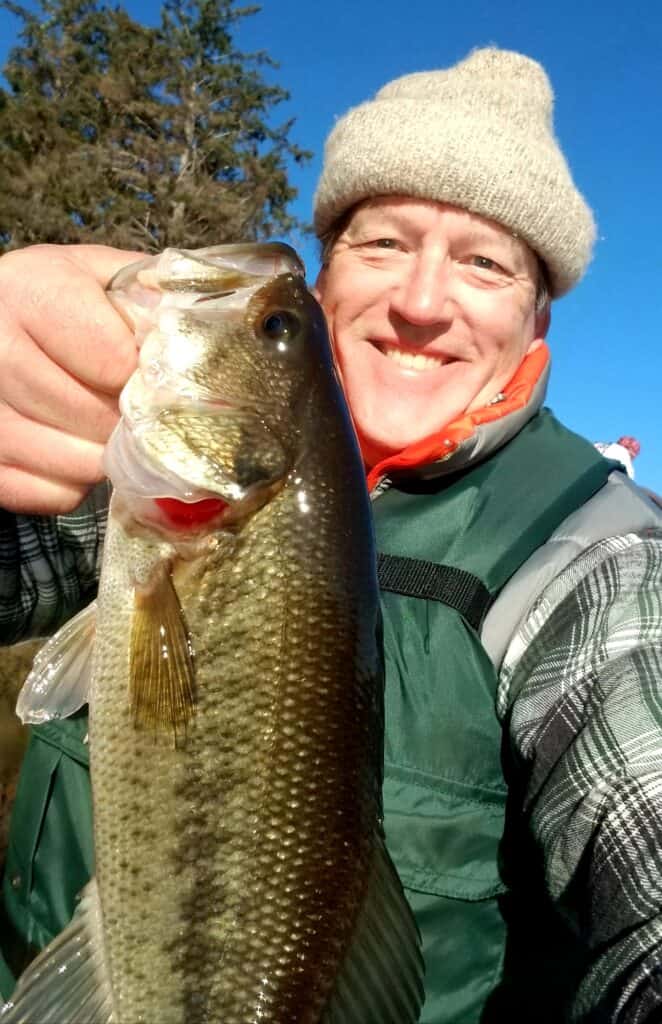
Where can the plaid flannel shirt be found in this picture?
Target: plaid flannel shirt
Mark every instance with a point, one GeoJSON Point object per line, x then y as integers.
{"type": "Point", "coordinates": [581, 692]}
{"type": "Point", "coordinates": [49, 566]}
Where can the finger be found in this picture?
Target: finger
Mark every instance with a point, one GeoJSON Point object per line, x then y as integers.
{"type": "Point", "coordinates": [47, 451]}
{"type": "Point", "coordinates": [56, 294]}
{"type": "Point", "coordinates": [29, 494]}
{"type": "Point", "coordinates": [34, 386]}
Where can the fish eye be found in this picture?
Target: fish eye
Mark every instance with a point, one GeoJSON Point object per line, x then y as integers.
{"type": "Point", "coordinates": [280, 325]}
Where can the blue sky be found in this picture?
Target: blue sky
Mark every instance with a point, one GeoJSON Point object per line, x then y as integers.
{"type": "Point", "coordinates": [605, 63]}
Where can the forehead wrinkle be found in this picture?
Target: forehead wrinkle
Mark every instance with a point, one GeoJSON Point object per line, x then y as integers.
{"type": "Point", "coordinates": [395, 210]}
{"type": "Point", "coordinates": [376, 216]}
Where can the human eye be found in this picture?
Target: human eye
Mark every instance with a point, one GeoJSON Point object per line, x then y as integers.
{"type": "Point", "coordinates": [380, 243]}
{"type": "Point", "coordinates": [486, 263]}
{"type": "Point", "coordinates": [380, 249]}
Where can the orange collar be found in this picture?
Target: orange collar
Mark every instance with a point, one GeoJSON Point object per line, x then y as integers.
{"type": "Point", "coordinates": [443, 444]}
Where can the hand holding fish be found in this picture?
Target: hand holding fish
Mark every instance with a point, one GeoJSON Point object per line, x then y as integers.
{"type": "Point", "coordinates": [65, 354]}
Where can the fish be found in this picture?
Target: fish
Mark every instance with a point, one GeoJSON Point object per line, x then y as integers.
{"type": "Point", "coordinates": [234, 678]}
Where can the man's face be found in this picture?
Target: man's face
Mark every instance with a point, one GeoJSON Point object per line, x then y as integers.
{"type": "Point", "coordinates": [431, 310]}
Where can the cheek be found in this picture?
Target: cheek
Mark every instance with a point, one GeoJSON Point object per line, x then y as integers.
{"type": "Point", "coordinates": [348, 293]}
{"type": "Point", "coordinates": [344, 322]}
{"type": "Point", "coordinates": [502, 335]}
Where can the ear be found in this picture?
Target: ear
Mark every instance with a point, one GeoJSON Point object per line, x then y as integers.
{"type": "Point", "coordinates": [543, 321]}
{"type": "Point", "coordinates": [318, 287]}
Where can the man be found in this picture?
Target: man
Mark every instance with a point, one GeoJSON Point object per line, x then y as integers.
{"type": "Point", "coordinates": [520, 572]}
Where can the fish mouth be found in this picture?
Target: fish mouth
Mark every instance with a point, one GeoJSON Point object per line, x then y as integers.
{"type": "Point", "coordinates": [217, 268]}
{"type": "Point", "coordinates": [225, 275]}
{"type": "Point", "coordinates": [133, 474]}
{"type": "Point", "coordinates": [162, 500]}
{"type": "Point", "coordinates": [156, 458]}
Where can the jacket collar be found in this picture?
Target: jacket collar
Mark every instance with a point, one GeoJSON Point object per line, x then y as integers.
{"type": "Point", "coordinates": [477, 434]}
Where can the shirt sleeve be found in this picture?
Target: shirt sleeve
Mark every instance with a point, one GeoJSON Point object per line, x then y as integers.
{"type": "Point", "coordinates": [581, 694]}
{"type": "Point", "coordinates": [49, 566]}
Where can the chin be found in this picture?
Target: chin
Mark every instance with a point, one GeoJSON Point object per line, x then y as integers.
{"type": "Point", "coordinates": [375, 449]}
{"type": "Point", "coordinates": [395, 438]}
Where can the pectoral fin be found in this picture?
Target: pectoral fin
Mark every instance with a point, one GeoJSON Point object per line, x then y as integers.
{"type": "Point", "coordinates": [68, 982]}
{"type": "Point", "coordinates": [161, 678]}
{"type": "Point", "coordinates": [59, 682]}
{"type": "Point", "coordinates": [381, 979]}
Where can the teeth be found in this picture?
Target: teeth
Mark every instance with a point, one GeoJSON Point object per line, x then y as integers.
{"type": "Point", "coordinates": [414, 361]}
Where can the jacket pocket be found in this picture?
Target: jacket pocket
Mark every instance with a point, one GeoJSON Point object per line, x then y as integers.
{"type": "Point", "coordinates": [50, 853]}
{"type": "Point", "coordinates": [444, 836]}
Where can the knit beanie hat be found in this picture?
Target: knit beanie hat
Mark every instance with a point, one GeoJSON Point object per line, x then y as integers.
{"type": "Point", "coordinates": [478, 135]}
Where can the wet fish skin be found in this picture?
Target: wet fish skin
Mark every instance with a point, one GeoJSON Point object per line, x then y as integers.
{"type": "Point", "coordinates": [249, 847]}
{"type": "Point", "coordinates": [241, 870]}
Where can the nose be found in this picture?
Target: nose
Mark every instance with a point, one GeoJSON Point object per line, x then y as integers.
{"type": "Point", "coordinates": [422, 294]}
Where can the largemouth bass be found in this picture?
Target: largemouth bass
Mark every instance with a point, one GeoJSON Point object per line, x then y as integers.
{"type": "Point", "coordinates": [235, 698]}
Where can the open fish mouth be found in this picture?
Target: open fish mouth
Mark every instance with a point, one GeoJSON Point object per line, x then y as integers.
{"type": "Point", "coordinates": [227, 275]}
{"type": "Point", "coordinates": [218, 268]}
{"type": "Point", "coordinates": [185, 432]}
{"type": "Point", "coordinates": [135, 475]}
{"type": "Point", "coordinates": [170, 503]}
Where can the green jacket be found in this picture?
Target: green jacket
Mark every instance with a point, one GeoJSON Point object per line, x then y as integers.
{"type": "Point", "coordinates": [445, 792]}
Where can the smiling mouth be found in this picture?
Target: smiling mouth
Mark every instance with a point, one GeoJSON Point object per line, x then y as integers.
{"type": "Point", "coordinates": [413, 360]}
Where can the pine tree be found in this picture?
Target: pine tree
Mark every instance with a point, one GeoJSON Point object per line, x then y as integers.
{"type": "Point", "coordinates": [137, 136]}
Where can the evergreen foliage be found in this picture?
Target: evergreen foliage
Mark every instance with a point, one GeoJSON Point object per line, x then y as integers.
{"type": "Point", "coordinates": [137, 136]}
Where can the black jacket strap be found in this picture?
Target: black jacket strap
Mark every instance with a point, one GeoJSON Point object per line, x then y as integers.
{"type": "Point", "coordinates": [414, 577]}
